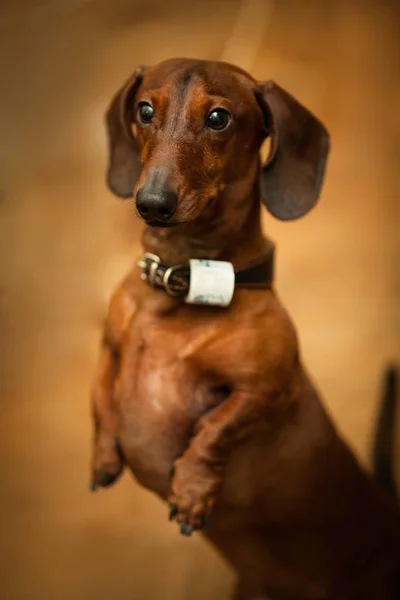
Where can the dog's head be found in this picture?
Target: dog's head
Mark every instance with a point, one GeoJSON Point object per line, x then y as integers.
{"type": "Point", "coordinates": [183, 133]}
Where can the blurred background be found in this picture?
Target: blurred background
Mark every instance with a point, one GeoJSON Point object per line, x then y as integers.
{"type": "Point", "coordinates": [65, 242]}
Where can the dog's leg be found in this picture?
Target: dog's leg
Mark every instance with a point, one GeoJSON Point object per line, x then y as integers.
{"type": "Point", "coordinates": [107, 462]}
{"type": "Point", "coordinates": [198, 473]}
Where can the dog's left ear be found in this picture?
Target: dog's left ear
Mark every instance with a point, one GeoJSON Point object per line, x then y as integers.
{"type": "Point", "coordinates": [291, 178]}
{"type": "Point", "coordinates": [124, 156]}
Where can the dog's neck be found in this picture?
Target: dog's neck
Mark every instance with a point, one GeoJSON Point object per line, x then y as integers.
{"type": "Point", "coordinates": [213, 236]}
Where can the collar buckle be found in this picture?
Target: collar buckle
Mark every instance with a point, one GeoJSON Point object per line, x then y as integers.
{"type": "Point", "coordinates": [149, 265]}
{"type": "Point", "coordinates": [170, 271]}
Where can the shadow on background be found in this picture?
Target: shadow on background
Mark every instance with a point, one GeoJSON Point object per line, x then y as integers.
{"type": "Point", "coordinates": [65, 242]}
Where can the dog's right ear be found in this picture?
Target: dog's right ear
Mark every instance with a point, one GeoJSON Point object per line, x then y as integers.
{"type": "Point", "coordinates": [124, 155]}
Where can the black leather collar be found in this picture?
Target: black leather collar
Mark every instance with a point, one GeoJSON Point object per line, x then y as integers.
{"type": "Point", "coordinates": [175, 279]}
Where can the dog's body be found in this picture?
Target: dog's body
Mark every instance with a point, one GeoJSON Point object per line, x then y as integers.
{"type": "Point", "coordinates": [218, 396]}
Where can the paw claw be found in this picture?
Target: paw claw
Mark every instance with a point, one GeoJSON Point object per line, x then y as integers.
{"type": "Point", "coordinates": [173, 511]}
{"type": "Point", "coordinates": [186, 529]}
{"type": "Point", "coordinates": [105, 479]}
{"type": "Point", "coordinates": [92, 486]}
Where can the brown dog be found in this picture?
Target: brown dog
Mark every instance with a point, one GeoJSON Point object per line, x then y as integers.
{"type": "Point", "coordinates": [212, 407]}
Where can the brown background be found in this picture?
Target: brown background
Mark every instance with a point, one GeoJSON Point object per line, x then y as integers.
{"type": "Point", "coordinates": [65, 242]}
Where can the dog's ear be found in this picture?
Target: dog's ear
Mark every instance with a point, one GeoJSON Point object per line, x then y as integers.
{"type": "Point", "coordinates": [292, 176]}
{"type": "Point", "coordinates": [124, 156]}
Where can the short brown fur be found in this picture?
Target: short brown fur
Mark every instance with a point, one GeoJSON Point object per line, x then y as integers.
{"type": "Point", "coordinates": [219, 397]}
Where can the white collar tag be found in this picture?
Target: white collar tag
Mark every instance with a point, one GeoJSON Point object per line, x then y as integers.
{"type": "Point", "coordinates": [212, 282]}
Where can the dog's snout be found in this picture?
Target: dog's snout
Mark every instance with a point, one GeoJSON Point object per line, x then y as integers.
{"type": "Point", "coordinates": [156, 205]}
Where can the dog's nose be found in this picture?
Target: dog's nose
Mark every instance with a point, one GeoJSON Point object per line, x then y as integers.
{"type": "Point", "coordinates": [156, 205]}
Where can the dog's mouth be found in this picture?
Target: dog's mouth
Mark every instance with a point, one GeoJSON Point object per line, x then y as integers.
{"type": "Point", "coordinates": [162, 224]}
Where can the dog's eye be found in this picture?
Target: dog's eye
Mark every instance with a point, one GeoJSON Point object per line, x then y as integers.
{"type": "Point", "coordinates": [145, 113]}
{"type": "Point", "coordinates": [218, 119]}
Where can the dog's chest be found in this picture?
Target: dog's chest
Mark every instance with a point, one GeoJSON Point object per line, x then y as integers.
{"type": "Point", "coordinates": [167, 380]}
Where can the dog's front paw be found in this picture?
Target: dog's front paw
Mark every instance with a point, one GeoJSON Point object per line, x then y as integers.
{"type": "Point", "coordinates": [193, 493]}
{"type": "Point", "coordinates": [107, 462]}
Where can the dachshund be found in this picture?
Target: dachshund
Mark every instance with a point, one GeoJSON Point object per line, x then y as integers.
{"type": "Point", "coordinates": [200, 389]}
